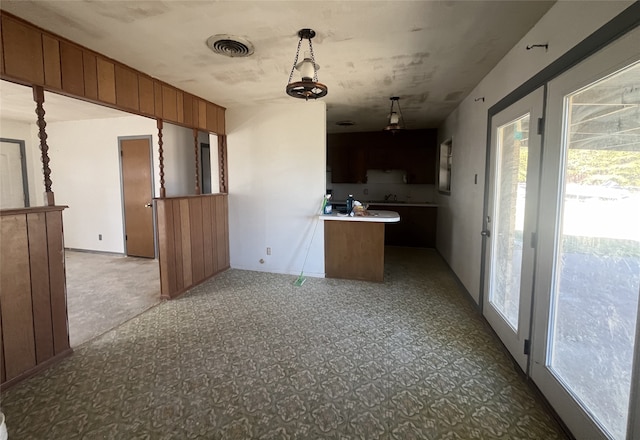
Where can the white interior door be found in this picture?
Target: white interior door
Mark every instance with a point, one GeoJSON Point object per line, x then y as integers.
{"type": "Point", "coordinates": [12, 190]}
{"type": "Point", "coordinates": [588, 271]}
{"type": "Point", "coordinates": [511, 222]}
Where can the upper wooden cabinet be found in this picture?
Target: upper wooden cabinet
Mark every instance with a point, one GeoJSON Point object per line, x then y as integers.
{"type": "Point", "coordinates": [350, 155]}
{"type": "Point", "coordinates": [32, 56]}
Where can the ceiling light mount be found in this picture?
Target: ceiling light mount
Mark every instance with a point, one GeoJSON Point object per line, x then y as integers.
{"type": "Point", "coordinates": [396, 121]}
{"type": "Point", "coordinates": [308, 87]}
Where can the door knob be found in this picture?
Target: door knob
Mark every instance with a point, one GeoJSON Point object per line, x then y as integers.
{"type": "Point", "coordinates": [486, 233]}
{"type": "Point", "coordinates": [148, 205]}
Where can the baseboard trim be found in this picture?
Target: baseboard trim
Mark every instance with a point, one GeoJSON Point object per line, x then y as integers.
{"type": "Point", "coordinates": [179, 293]}
{"type": "Point", "coordinates": [35, 370]}
{"type": "Point", "coordinates": [93, 251]}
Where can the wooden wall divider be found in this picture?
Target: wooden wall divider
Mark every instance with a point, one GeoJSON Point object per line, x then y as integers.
{"type": "Point", "coordinates": [192, 231]}
{"type": "Point", "coordinates": [193, 240]}
{"type": "Point", "coordinates": [33, 311]}
{"type": "Point", "coordinates": [32, 56]}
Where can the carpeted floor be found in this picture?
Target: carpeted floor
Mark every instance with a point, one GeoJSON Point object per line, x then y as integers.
{"type": "Point", "coordinates": [105, 290]}
{"type": "Point", "coordinates": [249, 356]}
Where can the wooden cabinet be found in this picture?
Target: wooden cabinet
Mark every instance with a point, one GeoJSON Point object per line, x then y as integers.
{"type": "Point", "coordinates": [416, 228]}
{"type": "Point", "coordinates": [350, 155]}
{"type": "Point", "coordinates": [348, 164]}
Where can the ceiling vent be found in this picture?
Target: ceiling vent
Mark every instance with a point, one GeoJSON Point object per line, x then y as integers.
{"type": "Point", "coordinates": [230, 45]}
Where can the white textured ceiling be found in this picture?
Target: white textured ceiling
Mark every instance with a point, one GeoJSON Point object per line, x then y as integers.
{"type": "Point", "coordinates": [429, 53]}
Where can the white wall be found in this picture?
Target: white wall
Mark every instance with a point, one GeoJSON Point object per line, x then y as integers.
{"type": "Point", "coordinates": [28, 133]}
{"type": "Point", "coordinates": [179, 161]}
{"type": "Point", "coordinates": [277, 160]}
{"type": "Point", "coordinates": [86, 174]}
{"type": "Point", "coordinates": [85, 171]}
{"type": "Point", "coordinates": [460, 214]}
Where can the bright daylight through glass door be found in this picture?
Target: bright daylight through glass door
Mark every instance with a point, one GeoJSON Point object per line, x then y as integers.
{"type": "Point", "coordinates": [597, 275]}
{"type": "Point", "coordinates": [508, 219]}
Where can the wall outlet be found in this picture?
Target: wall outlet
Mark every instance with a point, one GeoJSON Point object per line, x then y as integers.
{"type": "Point", "coordinates": [366, 191]}
{"type": "Point", "coordinates": [100, 237]}
{"type": "Point", "coordinates": [268, 251]}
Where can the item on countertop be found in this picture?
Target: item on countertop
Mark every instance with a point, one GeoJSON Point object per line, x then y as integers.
{"type": "Point", "coordinates": [327, 209]}
{"type": "Point", "coordinates": [350, 204]}
{"type": "Point", "coordinates": [359, 209]}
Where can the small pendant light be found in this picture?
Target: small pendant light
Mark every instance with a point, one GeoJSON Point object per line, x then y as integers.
{"type": "Point", "coordinates": [308, 87]}
{"type": "Point", "coordinates": [396, 121]}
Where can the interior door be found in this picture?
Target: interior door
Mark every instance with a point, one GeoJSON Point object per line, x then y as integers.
{"type": "Point", "coordinates": [137, 192]}
{"type": "Point", "coordinates": [587, 285]}
{"type": "Point", "coordinates": [510, 223]}
{"type": "Point", "coordinates": [13, 190]}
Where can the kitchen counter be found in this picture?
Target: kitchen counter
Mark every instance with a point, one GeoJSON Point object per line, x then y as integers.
{"type": "Point", "coordinates": [354, 246]}
{"type": "Point", "coordinates": [373, 216]}
{"type": "Point", "coordinates": [423, 204]}
{"type": "Point", "coordinates": [389, 203]}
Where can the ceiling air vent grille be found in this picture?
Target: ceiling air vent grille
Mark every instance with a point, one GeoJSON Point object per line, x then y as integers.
{"type": "Point", "coordinates": [230, 45]}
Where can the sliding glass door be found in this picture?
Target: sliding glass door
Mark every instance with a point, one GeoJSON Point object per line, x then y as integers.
{"type": "Point", "coordinates": [588, 272]}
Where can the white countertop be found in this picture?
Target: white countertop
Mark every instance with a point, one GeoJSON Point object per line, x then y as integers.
{"type": "Point", "coordinates": [392, 203]}
{"type": "Point", "coordinates": [374, 216]}
{"type": "Point", "coordinates": [425, 205]}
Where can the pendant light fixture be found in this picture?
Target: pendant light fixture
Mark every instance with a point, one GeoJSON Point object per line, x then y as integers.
{"type": "Point", "coordinates": [308, 87]}
{"type": "Point", "coordinates": [396, 121]}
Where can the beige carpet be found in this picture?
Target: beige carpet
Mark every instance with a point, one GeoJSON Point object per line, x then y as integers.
{"type": "Point", "coordinates": [249, 356]}
{"type": "Point", "coordinates": [106, 290]}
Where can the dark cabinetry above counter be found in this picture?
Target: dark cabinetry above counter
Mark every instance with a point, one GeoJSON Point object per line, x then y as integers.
{"type": "Point", "coordinates": [350, 155]}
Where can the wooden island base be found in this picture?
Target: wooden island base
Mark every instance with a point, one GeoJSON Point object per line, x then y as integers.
{"type": "Point", "coordinates": [354, 250]}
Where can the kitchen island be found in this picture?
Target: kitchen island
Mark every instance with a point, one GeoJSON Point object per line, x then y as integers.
{"type": "Point", "coordinates": [354, 246]}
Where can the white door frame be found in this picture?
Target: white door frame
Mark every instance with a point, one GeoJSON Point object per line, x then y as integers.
{"type": "Point", "coordinates": [515, 341]}
{"type": "Point", "coordinates": [612, 58]}
{"type": "Point", "coordinates": [23, 164]}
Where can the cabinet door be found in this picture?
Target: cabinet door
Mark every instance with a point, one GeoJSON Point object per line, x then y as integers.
{"type": "Point", "coordinates": [338, 158]}
{"type": "Point", "coordinates": [348, 164]}
{"type": "Point", "coordinates": [420, 165]}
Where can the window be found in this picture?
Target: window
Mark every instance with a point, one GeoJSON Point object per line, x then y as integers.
{"type": "Point", "coordinates": [444, 172]}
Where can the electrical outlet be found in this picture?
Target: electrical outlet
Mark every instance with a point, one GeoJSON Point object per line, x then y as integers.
{"type": "Point", "coordinates": [366, 191]}
{"type": "Point", "coordinates": [100, 237]}
{"type": "Point", "coordinates": [268, 251]}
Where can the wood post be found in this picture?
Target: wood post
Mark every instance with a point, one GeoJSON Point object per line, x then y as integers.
{"type": "Point", "coordinates": [222, 163]}
{"type": "Point", "coordinates": [163, 192]}
{"type": "Point", "coordinates": [38, 97]}
{"type": "Point", "coordinates": [195, 148]}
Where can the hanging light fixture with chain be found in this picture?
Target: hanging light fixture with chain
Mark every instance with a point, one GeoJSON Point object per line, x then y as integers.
{"type": "Point", "coordinates": [308, 87]}
{"type": "Point", "coordinates": [396, 121]}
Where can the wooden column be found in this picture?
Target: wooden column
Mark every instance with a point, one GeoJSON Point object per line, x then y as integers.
{"type": "Point", "coordinates": [222, 163]}
{"type": "Point", "coordinates": [195, 148]}
{"type": "Point", "coordinates": [38, 97]}
{"type": "Point", "coordinates": [163, 191]}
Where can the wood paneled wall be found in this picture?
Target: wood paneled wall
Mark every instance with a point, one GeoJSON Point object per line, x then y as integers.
{"type": "Point", "coordinates": [193, 240]}
{"type": "Point", "coordinates": [33, 56]}
{"type": "Point", "coordinates": [33, 310]}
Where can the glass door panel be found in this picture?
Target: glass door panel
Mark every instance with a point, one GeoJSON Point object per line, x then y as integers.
{"type": "Point", "coordinates": [508, 218]}
{"type": "Point", "coordinates": [511, 221]}
{"type": "Point", "coordinates": [597, 281]}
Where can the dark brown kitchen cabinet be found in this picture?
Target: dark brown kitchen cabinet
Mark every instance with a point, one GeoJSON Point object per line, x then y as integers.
{"type": "Point", "coordinates": [416, 228]}
{"type": "Point", "coordinates": [348, 164]}
{"type": "Point", "coordinates": [350, 155]}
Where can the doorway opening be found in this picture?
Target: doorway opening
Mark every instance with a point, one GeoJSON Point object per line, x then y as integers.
{"type": "Point", "coordinates": [104, 288]}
